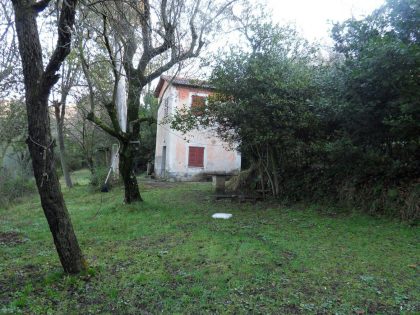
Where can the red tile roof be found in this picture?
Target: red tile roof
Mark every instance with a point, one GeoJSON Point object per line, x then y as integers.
{"type": "Point", "coordinates": [181, 81]}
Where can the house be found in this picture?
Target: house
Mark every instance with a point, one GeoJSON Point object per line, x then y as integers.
{"type": "Point", "coordinates": [200, 151]}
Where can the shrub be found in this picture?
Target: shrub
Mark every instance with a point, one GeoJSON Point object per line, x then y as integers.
{"type": "Point", "coordinates": [97, 179]}
{"type": "Point", "coordinates": [14, 188]}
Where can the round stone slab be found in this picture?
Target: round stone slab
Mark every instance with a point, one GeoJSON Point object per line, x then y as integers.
{"type": "Point", "coordinates": [221, 216]}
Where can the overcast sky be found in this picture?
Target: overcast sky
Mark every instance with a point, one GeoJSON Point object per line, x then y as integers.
{"type": "Point", "coordinates": [313, 17]}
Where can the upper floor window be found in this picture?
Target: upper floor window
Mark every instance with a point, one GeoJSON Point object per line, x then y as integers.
{"type": "Point", "coordinates": [197, 104]}
{"type": "Point", "coordinates": [166, 107]}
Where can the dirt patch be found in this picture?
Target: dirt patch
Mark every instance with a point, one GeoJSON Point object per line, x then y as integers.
{"type": "Point", "coordinates": [164, 242]}
{"type": "Point", "coordinates": [380, 308]}
{"type": "Point", "coordinates": [290, 309]}
{"type": "Point", "coordinates": [151, 184]}
{"type": "Point", "coordinates": [16, 280]}
{"type": "Point", "coordinates": [288, 255]}
{"type": "Point", "coordinates": [146, 242]}
{"type": "Point", "coordinates": [11, 238]}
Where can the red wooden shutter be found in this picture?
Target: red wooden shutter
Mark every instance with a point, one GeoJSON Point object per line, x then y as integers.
{"type": "Point", "coordinates": [197, 104]}
{"type": "Point", "coordinates": [196, 156]}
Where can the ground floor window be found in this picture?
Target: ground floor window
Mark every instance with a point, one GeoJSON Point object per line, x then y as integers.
{"type": "Point", "coordinates": [196, 156]}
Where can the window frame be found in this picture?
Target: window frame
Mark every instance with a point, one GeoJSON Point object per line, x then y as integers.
{"type": "Point", "coordinates": [195, 164]}
{"type": "Point", "coordinates": [202, 95]}
{"type": "Point", "coordinates": [166, 107]}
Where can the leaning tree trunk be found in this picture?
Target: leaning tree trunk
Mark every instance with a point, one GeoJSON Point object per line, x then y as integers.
{"type": "Point", "coordinates": [38, 83]}
{"type": "Point", "coordinates": [59, 109]}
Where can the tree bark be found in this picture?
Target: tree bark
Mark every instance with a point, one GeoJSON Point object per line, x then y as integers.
{"type": "Point", "coordinates": [59, 109]}
{"type": "Point", "coordinates": [87, 147]}
{"type": "Point", "coordinates": [131, 187]}
{"type": "Point", "coordinates": [38, 83]}
{"type": "Point", "coordinates": [91, 166]}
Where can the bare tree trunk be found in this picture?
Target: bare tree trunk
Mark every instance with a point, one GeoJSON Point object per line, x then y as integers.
{"type": "Point", "coordinates": [59, 109]}
{"type": "Point", "coordinates": [144, 73]}
{"type": "Point", "coordinates": [38, 84]}
{"type": "Point", "coordinates": [273, 156]}
{"type": "Point", "coordinates": [91, 166]}
{"type": "Point", "coordinates": [87, 147]}
{"type": "Point", "coordinates": [131, 188]}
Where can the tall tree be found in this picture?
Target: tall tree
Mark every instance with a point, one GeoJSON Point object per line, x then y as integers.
{"type": "Point", "coordinates": [381, 78]}
{"type": "Point", "coordinates": [38, 83]}
{"type": "Point", "coordinates": [69, 74]}
{"type": "Point", "coordinates": [151, 37]}
{"type": "Point", "coordinates": [9, 70]}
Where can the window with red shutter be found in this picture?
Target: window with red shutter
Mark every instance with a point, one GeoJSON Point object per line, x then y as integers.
{"type": "Point", "coordinates": [197, 104]}
{"type": "Point", "coordinates": [196, 156]}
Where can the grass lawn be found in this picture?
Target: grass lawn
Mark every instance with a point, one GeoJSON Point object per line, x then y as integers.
{"type": "Point", "coordinates": [168, 255]}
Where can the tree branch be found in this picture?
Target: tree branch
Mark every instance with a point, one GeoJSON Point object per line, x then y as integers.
{"type": "Point", "coordinates": [40, 5]}
{"type": "Point", "coordinates": [150, 52]}
{"type": "Point", "coordinates": [85, 68]}
{"type": "Point", "coordinates": [109, 49]}
{"type": "Point", "coordinates": [62, 49]}
{"type": "Point", "coordinates": [189, 54]}
{"type": "Point", "coordinates": [150, 120]}
{"type": "Point", "coordinates": [112, 113]}
{"type": "Point", "coordinates": [91, 117]}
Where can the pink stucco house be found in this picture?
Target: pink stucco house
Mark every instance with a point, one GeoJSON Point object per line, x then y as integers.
{"type": "Point", "coordinates": [200, 151]}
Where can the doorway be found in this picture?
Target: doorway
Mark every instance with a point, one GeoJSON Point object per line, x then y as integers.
{"type": "Point", "coordinates": [163, 169]}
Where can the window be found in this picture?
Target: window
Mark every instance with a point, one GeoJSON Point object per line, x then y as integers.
{"type": "Point", "coordinates": [197, 104]}
{"type": "Point", "coordinates": [166, 108]}
{"type": "Point", "coordinates": [196, 156]}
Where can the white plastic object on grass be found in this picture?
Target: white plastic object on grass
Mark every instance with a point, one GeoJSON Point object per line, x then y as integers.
{"type": "Point", "coordinates": [221, 216]}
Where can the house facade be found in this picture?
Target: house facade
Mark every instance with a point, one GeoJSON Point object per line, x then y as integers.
{"type": "Point", "coordinates": [200, 151]}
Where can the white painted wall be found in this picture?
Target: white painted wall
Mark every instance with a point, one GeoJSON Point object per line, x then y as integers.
{"type": "Point", "coordinates": [218, 158]}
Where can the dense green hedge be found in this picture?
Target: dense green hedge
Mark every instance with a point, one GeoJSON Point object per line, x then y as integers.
{"type": "Point", "coordinates": [343, 129]}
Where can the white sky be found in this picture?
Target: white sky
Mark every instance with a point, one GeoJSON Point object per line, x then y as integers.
{"type": "Point", "coordinates": [313, 17]}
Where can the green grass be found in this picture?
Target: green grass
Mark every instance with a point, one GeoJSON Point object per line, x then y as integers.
{"type": "Point", "coordinates": [168, 255]}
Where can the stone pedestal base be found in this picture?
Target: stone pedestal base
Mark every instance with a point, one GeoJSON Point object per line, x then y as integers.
{"type": "Point", "coordinates": [219, 183]}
